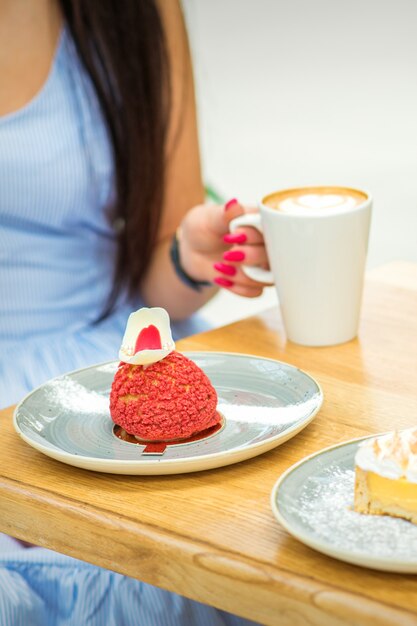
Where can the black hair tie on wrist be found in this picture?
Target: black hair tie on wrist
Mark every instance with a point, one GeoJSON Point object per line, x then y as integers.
{"type": "Point", "coordinates": [174, 253]}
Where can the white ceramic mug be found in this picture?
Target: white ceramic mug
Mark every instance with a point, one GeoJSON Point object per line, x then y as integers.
{"type": "Point", "coordinates": [316, 240]}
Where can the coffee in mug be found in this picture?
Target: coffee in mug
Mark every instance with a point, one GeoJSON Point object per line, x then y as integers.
{"type": "Point", "coordinates": [316, 239]}
{"type": "Point", "coordinates": [315, 200]}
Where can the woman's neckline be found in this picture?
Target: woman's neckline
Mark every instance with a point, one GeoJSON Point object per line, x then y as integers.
{"type": "Point", "coordinates": [38, 96]}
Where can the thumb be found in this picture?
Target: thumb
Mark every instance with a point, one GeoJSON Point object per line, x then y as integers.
{"type": "Point", "coordinates": [223, 215]}
{"type": "Point", "coordinates": [232, 209]}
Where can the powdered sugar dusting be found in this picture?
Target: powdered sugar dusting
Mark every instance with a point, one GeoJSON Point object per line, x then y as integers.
{"type": "Point", "coordinates": [324, 506]}
{"type": "Point", "coordinates": [73, 396]}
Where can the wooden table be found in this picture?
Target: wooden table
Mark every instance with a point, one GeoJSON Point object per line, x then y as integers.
{"type": "Point", "coordinates": [211, 535]}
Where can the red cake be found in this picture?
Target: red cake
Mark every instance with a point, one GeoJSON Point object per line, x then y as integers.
{"type": "Point", "coordinates": [170, 399]}
{"type": "Point", "coordinates": [163, 400]}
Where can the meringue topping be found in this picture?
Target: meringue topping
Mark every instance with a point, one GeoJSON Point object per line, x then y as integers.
{"type": "Point", "coordinates": [393, 455]}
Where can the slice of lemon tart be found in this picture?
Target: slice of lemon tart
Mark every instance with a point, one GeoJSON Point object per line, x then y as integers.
{"type": "Point", "coordinates": [386, 475]}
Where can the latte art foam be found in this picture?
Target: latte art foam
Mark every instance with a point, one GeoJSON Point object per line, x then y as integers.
{"type": "Point", "coordinates": [315, 200]}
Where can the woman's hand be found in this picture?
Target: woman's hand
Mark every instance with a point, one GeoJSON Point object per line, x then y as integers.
{"type": "Point", "coordinates": [209, 252]}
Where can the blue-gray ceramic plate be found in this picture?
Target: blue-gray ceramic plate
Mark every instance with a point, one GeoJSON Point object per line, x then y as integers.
{"type": "Point", "coordinates": [263, 403]}
{"type": "Point", "coordinates": [313, 500]}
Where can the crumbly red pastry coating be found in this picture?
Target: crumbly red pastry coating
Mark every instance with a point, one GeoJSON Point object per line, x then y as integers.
{"type": "Point", "coordinates": [170, 399]}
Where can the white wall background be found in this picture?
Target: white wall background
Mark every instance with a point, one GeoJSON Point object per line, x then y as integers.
{"type": "Point", "coordinates": [292, 92]}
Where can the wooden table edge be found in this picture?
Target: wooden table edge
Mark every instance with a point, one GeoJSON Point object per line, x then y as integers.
{"type": "Point", "coordinates": [273, 589]}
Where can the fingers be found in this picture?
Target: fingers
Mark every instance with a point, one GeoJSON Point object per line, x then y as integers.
{"type": "Point", "coordinates": [234, 258]}
{"type": "Point", "coordinates": [246, 248]}
{"type": "Point", "coordinates": [247, 254]}
{"type": "Point", "coordinates": [235, 274]}
{"type": "Point", "coordinates": [247, 291]}
{"type": "Point", "coordinates": [244, 234]}
{"type": "Point", "coordinates": [211, 252]}
{"type": "Point", "coordinates": [231, 275]}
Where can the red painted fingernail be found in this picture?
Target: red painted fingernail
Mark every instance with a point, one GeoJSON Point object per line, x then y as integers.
{"type": "Point", "coordinates": [230, 204]}
{"type": "Point", "coordinates": [225, 269]}
{"type": "Point", "coordinates": [234, 255]}
{"type": "Point", "coordinates": [223, 282]}
{"type": "Point", "coordinates": [238, 238]}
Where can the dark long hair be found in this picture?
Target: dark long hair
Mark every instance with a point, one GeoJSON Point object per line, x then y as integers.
{"type": "Point", "coordinates": [122, 46]}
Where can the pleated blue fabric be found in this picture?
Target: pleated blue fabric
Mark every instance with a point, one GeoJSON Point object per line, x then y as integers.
{"type": "Point", "coordinates": [39, 587]}
{"type": "Point", "coordinates": [57, 250]}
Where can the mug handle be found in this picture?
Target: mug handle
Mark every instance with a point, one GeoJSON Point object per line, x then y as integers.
{"type": "Point", "coordinates": [252, 271]}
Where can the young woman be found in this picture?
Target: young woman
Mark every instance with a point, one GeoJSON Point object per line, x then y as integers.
{"type": "Point", "coordinates": [99, 169]}
{"type": "Point", "coordinates": [101, 211]}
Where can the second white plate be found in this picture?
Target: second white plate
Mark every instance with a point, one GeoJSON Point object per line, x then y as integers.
{"type": "Point", "coordinates": [264, 403]}
{"type": "Point", "coordinates": [313, 500]}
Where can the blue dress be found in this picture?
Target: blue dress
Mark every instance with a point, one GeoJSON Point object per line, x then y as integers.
{"type": "Point", "coordinates": [57, 250]}
{"type": "Point", "coordinates": [57, 243]}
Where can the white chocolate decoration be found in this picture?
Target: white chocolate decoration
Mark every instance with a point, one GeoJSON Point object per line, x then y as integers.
{"type": "Point", "coordinates": [147, 337]}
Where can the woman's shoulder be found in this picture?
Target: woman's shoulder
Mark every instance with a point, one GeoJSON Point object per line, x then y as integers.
{"type": "Point", "coordinates": [27, 53]}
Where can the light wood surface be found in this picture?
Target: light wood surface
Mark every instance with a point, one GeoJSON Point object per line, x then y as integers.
{"type": "Point", "coordinates": [211, 535]}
